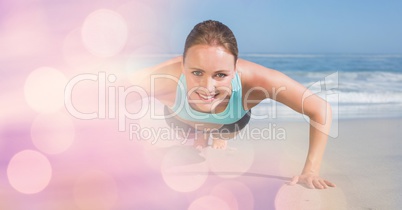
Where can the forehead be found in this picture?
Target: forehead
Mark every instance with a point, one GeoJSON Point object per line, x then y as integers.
{"type": "Point", "coordinates": [207, 57]}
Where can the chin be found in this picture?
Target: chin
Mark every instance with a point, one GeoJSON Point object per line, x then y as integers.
{"type": "Point", "coordinates": [204, 107]}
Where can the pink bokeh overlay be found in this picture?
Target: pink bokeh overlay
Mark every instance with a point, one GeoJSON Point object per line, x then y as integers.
{"type": "Point", "coordinates": [53, 159]}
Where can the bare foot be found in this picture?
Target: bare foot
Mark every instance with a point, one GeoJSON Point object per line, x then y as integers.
{"type": "Point", "coordinates": [219, 143]}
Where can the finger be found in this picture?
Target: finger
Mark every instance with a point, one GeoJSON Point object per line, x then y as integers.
{"type": "Point", "coordinates": [329, 183]}
{"type": "Point", "coordinates": [294, 180]}
{"type": "Point", "coordinates": [317, 184]}
{"type": "Point", "coordinates": [323, 184]}
{"type": "Point", "coordinates": [310, 183]}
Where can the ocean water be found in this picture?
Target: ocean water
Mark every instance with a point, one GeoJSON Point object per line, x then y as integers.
{"type": "Point", "coordinates": [356, 85]}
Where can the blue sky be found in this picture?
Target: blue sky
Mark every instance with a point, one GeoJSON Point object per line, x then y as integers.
{"type": "Point", "coordinates": [309, 26]}
{"type": "Point", "coordinates": [261, 26]}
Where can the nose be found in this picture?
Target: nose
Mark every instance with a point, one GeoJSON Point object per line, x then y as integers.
{"type": "Point", "coordinates": [209, 85]}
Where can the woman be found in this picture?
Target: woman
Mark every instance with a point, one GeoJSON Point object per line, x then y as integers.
{"type": "Point", "coordinates": [210, 92]}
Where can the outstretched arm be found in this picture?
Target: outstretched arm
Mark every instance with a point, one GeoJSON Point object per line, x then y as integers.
{"type": "Point", "coordinates": [319, 112]}
{"type": "Point", "coordinates": [302, 100]}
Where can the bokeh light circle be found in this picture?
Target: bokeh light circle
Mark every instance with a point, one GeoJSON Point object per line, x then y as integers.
{"type": "Point", "coordinates": [208, 202]}
{"type": "Point", "coordinates": [225, 195]}
{"type": "Point", "coordinates": [29, 172]}
{"type": "Point", "coordinates": [184, 170]}
{"type": "Point", "coordinates": [104, 33]}
{"type": "Point", "coordinates": [236, 194]}
{"type": "Point", "coordinates": [52, 133]}
{"type": "Point", "coordinates": [44, 89]}
{"type": "Point", "coordinates": [95, 189]}
{"type": "Point", "coordinates": [78, 58]}
{"type": "Point", "coordinates": [233, 161]}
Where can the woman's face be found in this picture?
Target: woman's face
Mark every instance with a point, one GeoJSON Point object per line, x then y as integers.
{"type": "Point", "coordinates": [209, 71]}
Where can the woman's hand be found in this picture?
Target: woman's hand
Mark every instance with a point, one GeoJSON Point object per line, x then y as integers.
{"type": "Point", "coordinates": [311, 181]}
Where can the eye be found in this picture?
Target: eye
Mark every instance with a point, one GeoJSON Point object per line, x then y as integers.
{"type": "Point", "coordinates": [221, 75]}
{"type": "Point", "coordinates": [197, 73]}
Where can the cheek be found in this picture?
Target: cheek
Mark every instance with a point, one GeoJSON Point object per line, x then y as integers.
{"type": "Point", "coordinates": [192, 86]}
{"type": "Point", "coordinates": [227, 83]}
{"type": "Point", "coordinates": [191, 83]}
{"type": "Point", "coordinates": [224, 86]}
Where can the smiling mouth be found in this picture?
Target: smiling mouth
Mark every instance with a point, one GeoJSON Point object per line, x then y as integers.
{"type": "Point", "coordinates": [207, 98]}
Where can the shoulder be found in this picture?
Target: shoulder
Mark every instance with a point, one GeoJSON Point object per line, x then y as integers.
{"type": "Point", "coordinates": [254, 75]}
{"type": "Point", "coordinates": [172, 67]}
{"type": "Point", "coordinates": [162, 77]}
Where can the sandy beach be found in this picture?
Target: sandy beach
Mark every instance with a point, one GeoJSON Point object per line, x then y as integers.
{"type": "Point", "coordinates": [363, 162]}
{"type": "Point", "coordinates": [107, 170]}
